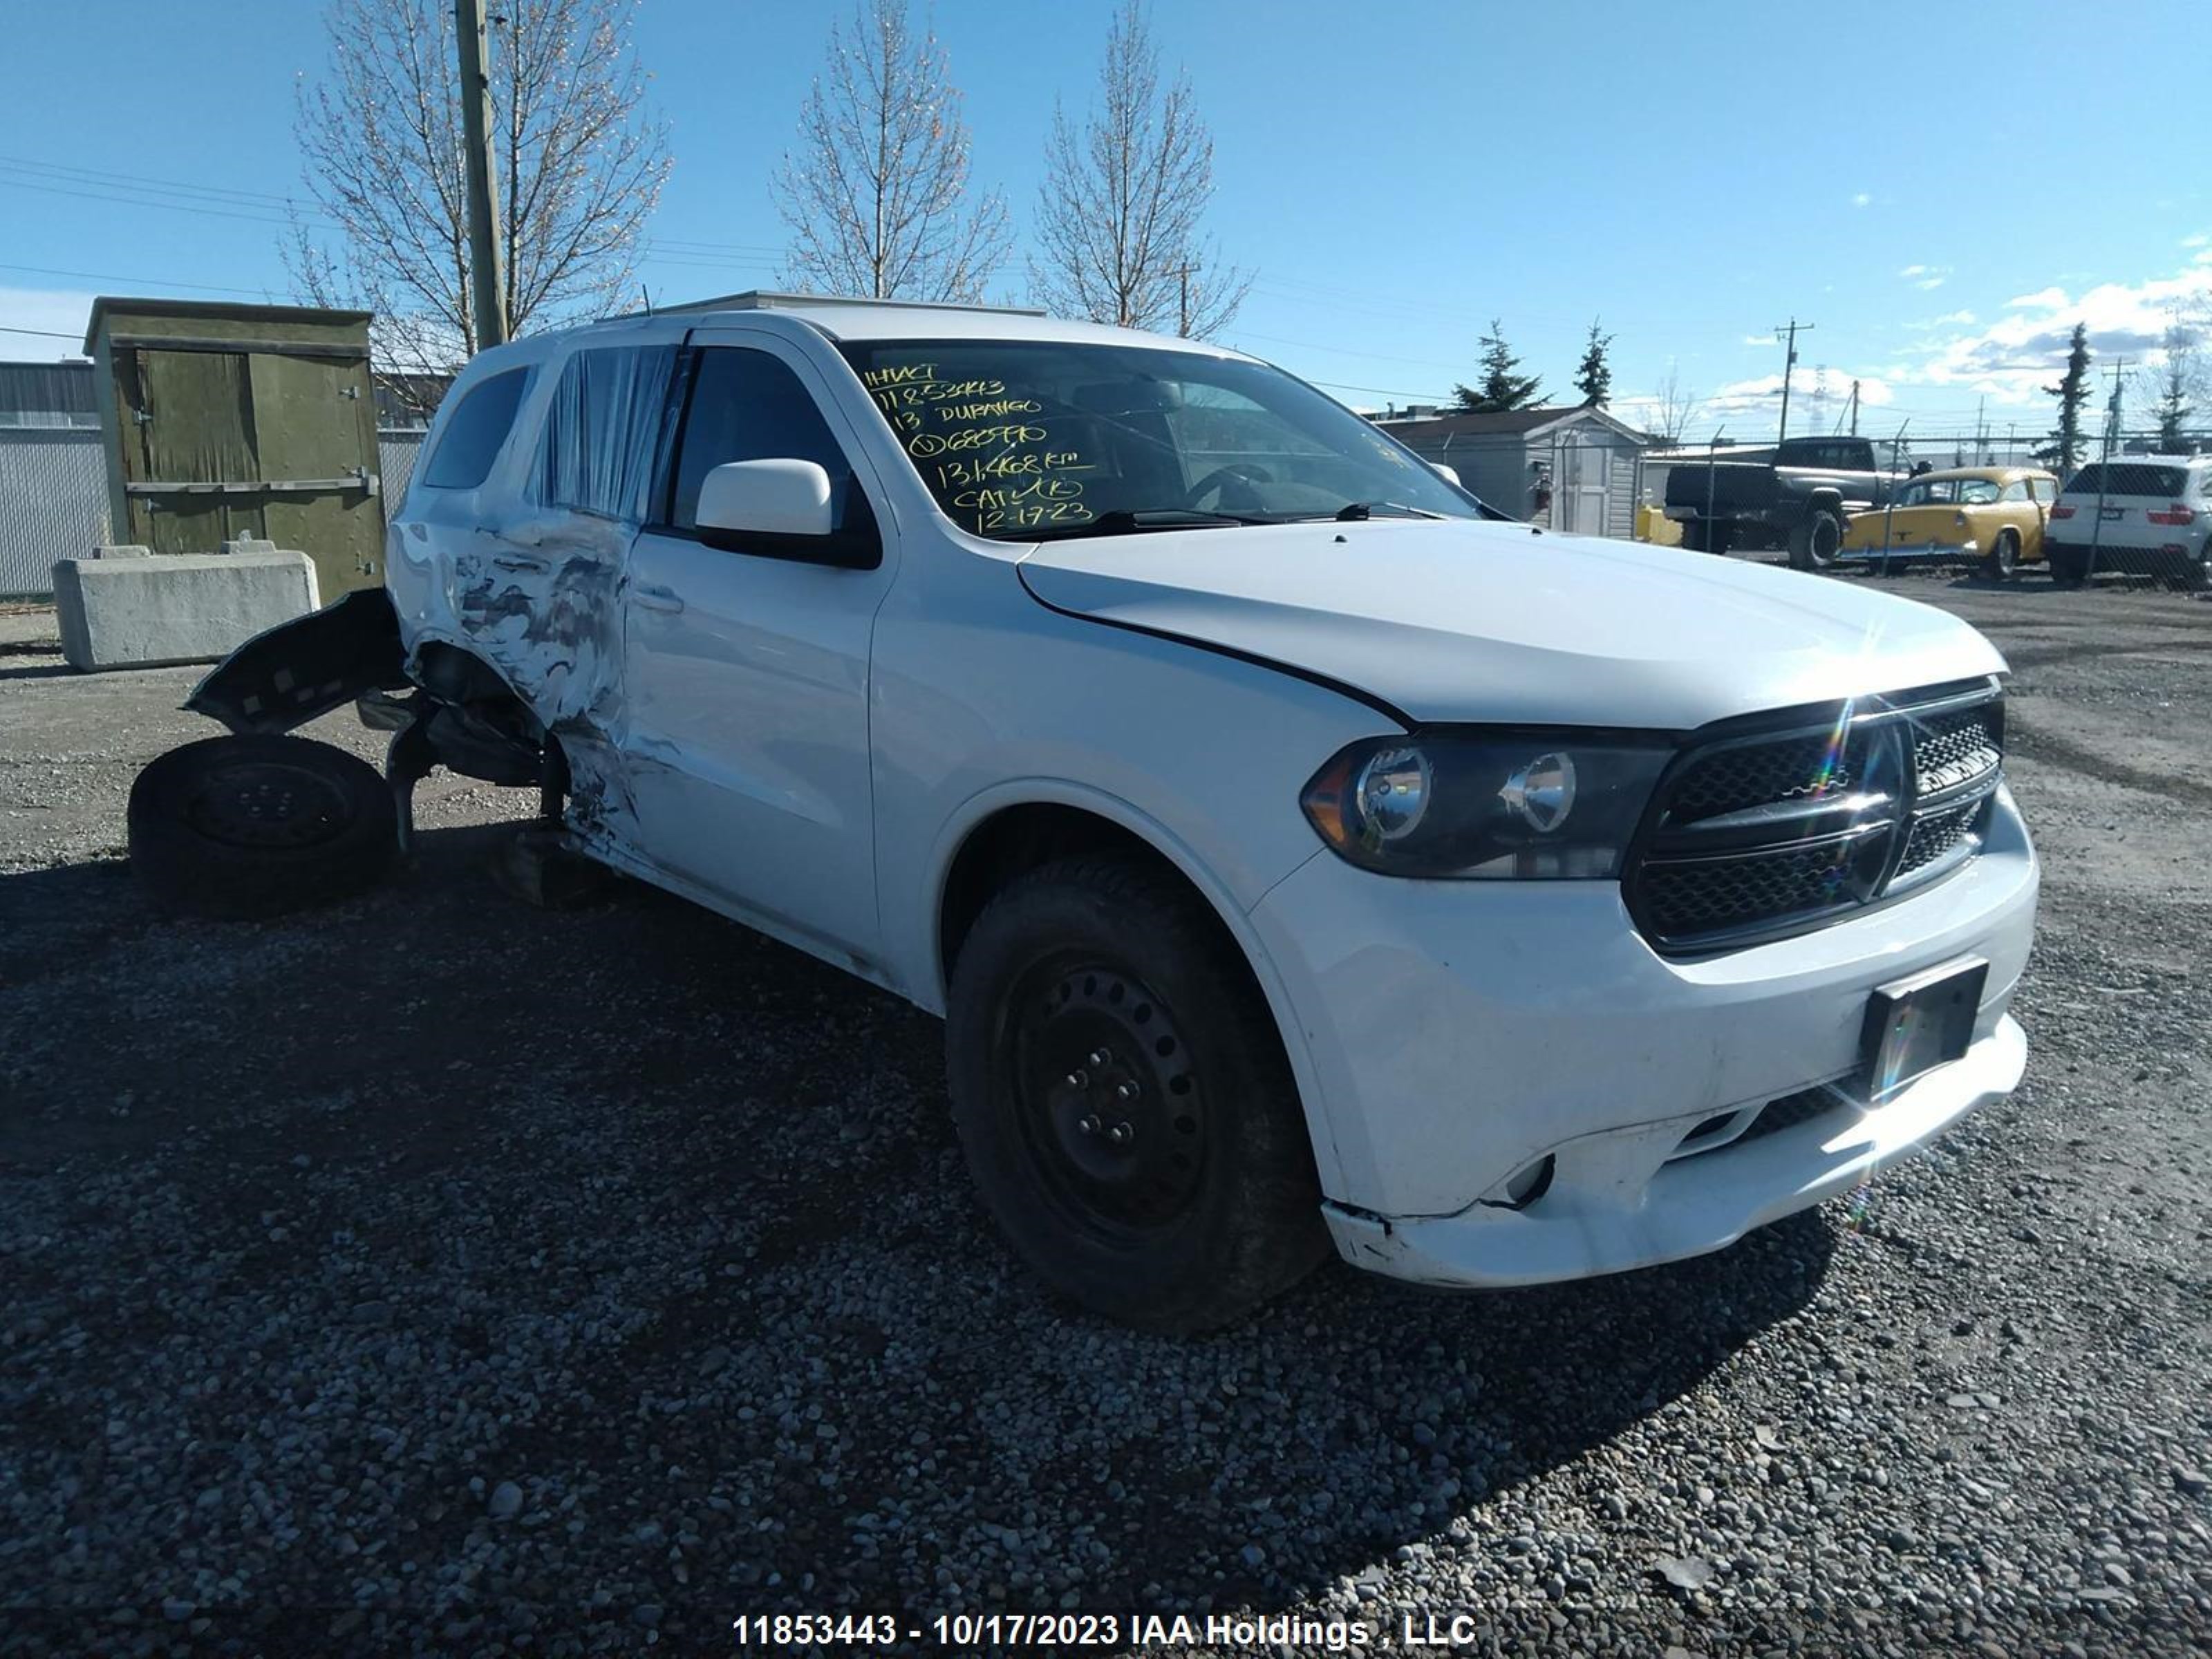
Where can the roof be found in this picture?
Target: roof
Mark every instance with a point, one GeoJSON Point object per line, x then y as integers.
{"type": "Point", "coordinates": [1522, 422]}
{"type": "Point", "coordinates": [1994, 474]}
{"type": "Point", "coordinates": [219, 310]}
{"type": "Point", "coordinates": [843, 319]}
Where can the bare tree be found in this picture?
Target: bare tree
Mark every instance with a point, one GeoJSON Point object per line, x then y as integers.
{"type": "Point", "coordinates": [876, 203]}
{"type": "Point", "coordinates": [1119, 215]}
{"type": "Point", "coordinates": [580, 167]}
{"type": "Point", "coordinates": [1671, 408]}
{"type": "Point", "coordinates": [2176, 386]}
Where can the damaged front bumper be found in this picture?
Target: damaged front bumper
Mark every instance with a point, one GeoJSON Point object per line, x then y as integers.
{"type": "Point", "coordinates": [454, 712]}
{"type": "Point", "coordinates": [298, 671]}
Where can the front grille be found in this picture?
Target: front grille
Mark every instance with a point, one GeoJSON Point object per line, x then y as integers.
{"type": "Point", "coordinates": [1715, 894]}
{"type": "Point", "coordinates": [1801, 768]}
{"type": "Point", "coordinates": [1790, 1110]}
{"type": "Point", "coordinates": [1956, 748]}
{"type": "Point", "coordinates": [1767, 828]}
{"type": "Point", "coordinates": [1935, 834]}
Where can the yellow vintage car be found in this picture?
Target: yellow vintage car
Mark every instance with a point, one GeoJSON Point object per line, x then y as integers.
{"type": "Point", "coordinates": [1991, 514]}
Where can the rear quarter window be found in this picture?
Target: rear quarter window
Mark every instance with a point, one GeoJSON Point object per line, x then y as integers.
{"type": "Point", "coordinates": [603, 430]}
{"type": "Point", "coordinates": [473, 437]}
{"type": "Point", "coordinates": [2128, 478]}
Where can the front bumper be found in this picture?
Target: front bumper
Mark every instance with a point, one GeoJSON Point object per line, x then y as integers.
{"type": "Point", "coordinates": [1616, 1202]}
{"type": "Point", "coordinates": [1458, 1033]}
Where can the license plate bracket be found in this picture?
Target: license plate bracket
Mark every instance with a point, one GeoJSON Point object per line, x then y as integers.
{"type": "Point", "coordinates": [1917, 1023]}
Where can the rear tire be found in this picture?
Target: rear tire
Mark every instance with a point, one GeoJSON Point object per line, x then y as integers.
{"type": "Point", "coordinates": [2003, 558]}
{"type": "Point", "coordinates": [1123, 1101]}
{"type": "Point", "coordinates": [243, 827]}
{"type": "Point", "coordinates": [1816, 540]}
{"type": "Point", "coordinates": [1693, 536]}
{"type": "Point", "coordinates": [2070, 566]}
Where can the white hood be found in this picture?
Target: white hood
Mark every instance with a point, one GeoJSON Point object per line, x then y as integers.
{"type": "Point", "coordinates": [1492, 622]}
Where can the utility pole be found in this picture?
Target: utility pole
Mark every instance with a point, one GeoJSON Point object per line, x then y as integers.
{"type": "Point", "coordinates": [487, 278]}
{"type": "Point", "coordinates": [2105, 473]}
{"type": "Point", "coordinates": [1794, 328]}
{"type": "Point", "coordinates": [1182, 305]}
{"type": "Point", "coordinates": [1855, 408]}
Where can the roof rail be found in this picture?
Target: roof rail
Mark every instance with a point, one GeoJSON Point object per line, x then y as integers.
{"type": "Point", "coordinates": [765, 300]}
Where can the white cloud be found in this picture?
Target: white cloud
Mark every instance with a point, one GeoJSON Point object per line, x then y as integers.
{"type": "Point", "coordinates": [1914, 270]}
{"type": "Point", "coordinates": [2201, 238]}
{"type": "Point", "coordinates": [1758, 340]}
{"type": "Point", "coordinates": [1762, 394]}
{"type": "Point", "coordinates": [48, 312]}
{"type": "Point", "coordinates": [1951, 319]}
{"type": "Point", "coordinates": [2012, 359]}
{"type": "Point", "coordinates": [1862, 199]}
{"type": "Point", "coordinates": [1926, 278]}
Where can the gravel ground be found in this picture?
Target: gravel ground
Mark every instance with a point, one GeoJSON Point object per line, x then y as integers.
{"type": "Point", "coordinates": [435, 1275]}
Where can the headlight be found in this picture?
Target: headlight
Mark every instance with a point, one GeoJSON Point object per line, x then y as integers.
{"type": "Point", "coordinates": [1486, 803]}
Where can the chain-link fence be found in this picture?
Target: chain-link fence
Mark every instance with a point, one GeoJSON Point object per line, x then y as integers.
{"type": "Point", "coordinates": [2133, 508]}
{"type": "Point", "coordinates": [53, 503]}
{"type": "Point", "coordinates": [53, 498]}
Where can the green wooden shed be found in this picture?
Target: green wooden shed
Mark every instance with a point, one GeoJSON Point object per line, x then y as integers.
{"type": "Point", "coordinates": [230, 420]}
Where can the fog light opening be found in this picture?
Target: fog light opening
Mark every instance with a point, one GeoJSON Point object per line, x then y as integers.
{"type": "Point", "coordinates": [1524, 1187]}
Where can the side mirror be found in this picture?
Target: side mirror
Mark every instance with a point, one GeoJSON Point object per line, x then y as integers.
{"type": "Point", "coordinates": [1449, 474]}
{"type": "Point", "coordinates": [785, 510]}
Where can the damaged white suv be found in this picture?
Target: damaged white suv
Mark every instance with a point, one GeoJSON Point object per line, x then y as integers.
{"type": "Point", "coordinates": [1298, 850]}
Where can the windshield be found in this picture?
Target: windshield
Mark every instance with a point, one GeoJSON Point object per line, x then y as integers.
{"type": "Point", "coordinates": [1023, 439]}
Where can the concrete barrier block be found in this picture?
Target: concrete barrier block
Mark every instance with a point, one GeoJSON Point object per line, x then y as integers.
{"type": "Point", "coordinates": [172, 608]}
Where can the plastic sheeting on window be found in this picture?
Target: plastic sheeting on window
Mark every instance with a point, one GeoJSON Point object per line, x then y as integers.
{"type": "Point", "coordinates": [603, 430]}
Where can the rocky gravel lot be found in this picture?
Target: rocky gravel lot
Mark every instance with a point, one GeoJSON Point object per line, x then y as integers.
{"type": "Point", "coordinates": [436, 1274]}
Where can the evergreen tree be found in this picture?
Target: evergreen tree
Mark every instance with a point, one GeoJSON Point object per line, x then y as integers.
{"type": "Point", "coordinates": [2063, 452]}
{"type": "Point", "coordinates": [1594, 375]}
{"type": "Point", "coordinates": [1501, 388]}
{"type": "Point", "coordinates": [2172, 409]}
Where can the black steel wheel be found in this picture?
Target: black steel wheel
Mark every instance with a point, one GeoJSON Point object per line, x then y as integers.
{"type": "Point", "coordinates": [2070, 566]}
{"type": "Point", "coordinates": [1123, 1101]}
{"type": "Point", "coordinates": [256, 826]}
{"type": "Point", "coordinates": [1107, 1099]}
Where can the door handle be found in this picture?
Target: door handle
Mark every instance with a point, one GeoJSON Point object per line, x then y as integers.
{"type": "Point", "coordinates": [522, 562]}
{"type": "Point", "coordinates": [652, 597]}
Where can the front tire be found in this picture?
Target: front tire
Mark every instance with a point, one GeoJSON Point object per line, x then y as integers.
{"type": "Point", "coordinates": [1123, 1101]}
{"type": "Point", "coordinates": [1816, 540]}
{"type": "Point", "coordinates": [251, 826]}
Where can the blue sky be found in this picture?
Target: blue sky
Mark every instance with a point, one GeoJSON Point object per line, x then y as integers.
{"type": "Point", "coordinates": [1943, 189]}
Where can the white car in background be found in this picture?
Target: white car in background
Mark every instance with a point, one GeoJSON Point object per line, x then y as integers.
{"type": "Point", "coordinates": [2145, 514]}
{"type": "Point", "coordinates": [1296, 851]}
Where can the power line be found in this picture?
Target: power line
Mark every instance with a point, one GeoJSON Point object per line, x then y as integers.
{"type": "Point", "coordinates": [102, 175]}
{"type": "Point", "coordinates": [48, 333]}
{"type": "Point", "coordinates": [117, 276]}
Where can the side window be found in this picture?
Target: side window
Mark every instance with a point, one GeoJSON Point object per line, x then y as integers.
{"type": "Point", "coordinates": [2014, 491]}
{"type": "Point", "coordinates": [603, 430]}
{"type": "Point", "coordinates": [748, 406]}
{"type": "Point", "coordinates": [2044, 491]}
{"type": "Point", "coordinates": [472, 438]}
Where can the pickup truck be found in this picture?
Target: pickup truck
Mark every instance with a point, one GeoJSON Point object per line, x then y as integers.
{"type": "Point", "coordinates": [1796, 494]}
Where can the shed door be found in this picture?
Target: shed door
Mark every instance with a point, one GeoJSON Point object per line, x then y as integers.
{"type": "Point", "coordinates": [193, 411]}
{"type": "Point", "coordinates": [1585, 477]}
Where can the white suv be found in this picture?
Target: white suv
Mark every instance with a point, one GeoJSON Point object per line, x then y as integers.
{"type": "Point", "coordinates": [1296, 850]}
{"type": "Point", "coordinates": [2147, 514]}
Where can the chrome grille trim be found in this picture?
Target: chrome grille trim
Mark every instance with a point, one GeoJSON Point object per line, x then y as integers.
{"type": "Point", "coordinates": [1772, 828]}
